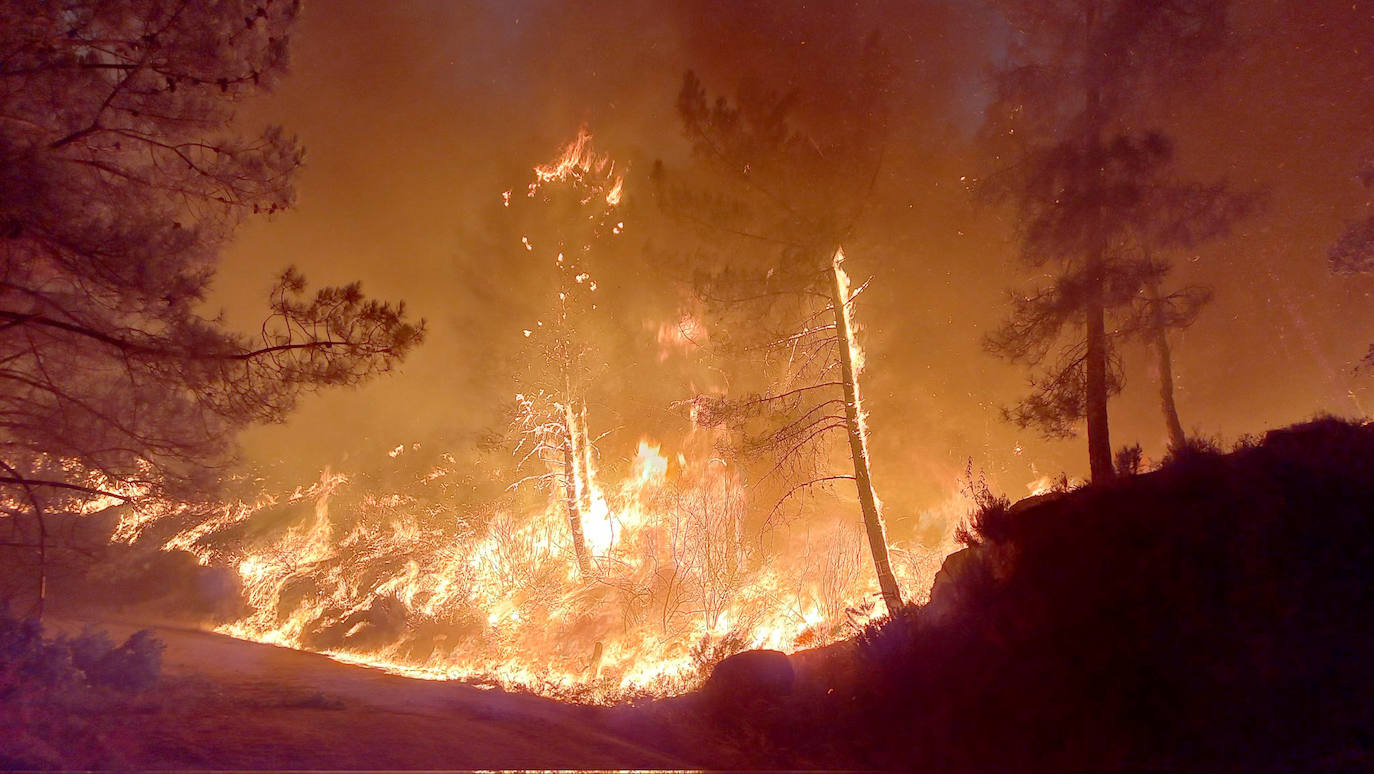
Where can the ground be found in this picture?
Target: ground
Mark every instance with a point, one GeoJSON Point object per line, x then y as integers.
{"type": "Point", "coordinates": [230, 704]}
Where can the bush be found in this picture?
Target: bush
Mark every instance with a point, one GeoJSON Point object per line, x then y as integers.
{"type": "Point", "coordinates": [52, 691]}
{"type": "Point", "coordinates": [990, 510]}
{"type": "Point", "coordinates": [132, 667]}
{"type": "Point", "coordinates": [1214, 614]}
{"type": "Point", "coordinates": [1129, 460]}
{"type": "Point", "coordinates": [1196, 447]}
{"type": "Point", "coordinates": [30, 664]}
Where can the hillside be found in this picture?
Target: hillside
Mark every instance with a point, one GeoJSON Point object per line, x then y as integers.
{"type": "Point", "coordinates": [1214, 614]}
{"type": "Point", "coordinates": [223, 703]}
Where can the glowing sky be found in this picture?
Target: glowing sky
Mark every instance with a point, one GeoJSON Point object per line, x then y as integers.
{"type": "Point", "coordinates": [417, 115]}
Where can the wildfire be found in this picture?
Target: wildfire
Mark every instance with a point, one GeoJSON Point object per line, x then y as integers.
{"type": "Point", "coordinates": [580, 164]}
{"type": "Point", "coordinates": [680, 581]}
{"type": "Point", "coordinates": [682, 336]}
{"type": "Point", "coordinates": [595, 585]}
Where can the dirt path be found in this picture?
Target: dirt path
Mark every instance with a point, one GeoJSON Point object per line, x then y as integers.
{"type": "Point", "coordinates": [231, 704]}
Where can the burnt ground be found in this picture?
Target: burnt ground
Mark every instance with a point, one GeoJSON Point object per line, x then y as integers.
{"type": "Point", "coordinates": [229, 704]}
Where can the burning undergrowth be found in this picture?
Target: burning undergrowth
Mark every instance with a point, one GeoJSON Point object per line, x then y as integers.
{"type": "Point", "coordinates": [569, 580]}
{"type": "Point", "coordinates": [405, 581]}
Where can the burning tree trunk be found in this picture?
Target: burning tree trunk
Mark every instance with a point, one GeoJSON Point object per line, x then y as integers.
{"type": "Point", "coordinates": [577, 453]}
{"type": "Point", "coordinates": [858, 436]}
{"type": "Point", "coordinates": [573, 493]}
{"type": "Point", "coordinates": [801, 195]}
{"type": "Point", "coordinates": [585, 446]}
{"type": "Point", "coordinates": [582, 189]}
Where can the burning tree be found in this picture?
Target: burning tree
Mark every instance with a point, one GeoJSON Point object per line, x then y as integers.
{"type": "Point", "coordinates": [121, 181]}
{"type": "Point", "coordinates": [1062, 115]}
{"type": "Point", "coordinates": [584, 190]}
{"type": "Point", "coordinates": [793, 198]}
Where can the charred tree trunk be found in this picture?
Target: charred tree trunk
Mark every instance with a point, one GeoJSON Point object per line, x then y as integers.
{"type": "Point", "coordinates": [42, 563]}
{"type": "Point", "coordinates": [1095, 401]}
{"type": "Point", "coordinates": [41, 523]}
{"type": "Point", "coordinates": [1177, 439]}
{"type": "Point", "coordinates": [858, 438]}
{"type": "Point", "coordinates": [1096, 386]}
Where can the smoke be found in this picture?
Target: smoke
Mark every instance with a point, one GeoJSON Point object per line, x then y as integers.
{"type": "Point", "coordinates": [418, 116]}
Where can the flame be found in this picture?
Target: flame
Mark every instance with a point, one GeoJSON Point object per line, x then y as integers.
{"type": "Point", "coordinates": [682, 579]}
{"type": "Point", "coordinates": [680, 572]}
{"type": "Point", "coordinates": [681, 336]}
{"type": "Point", "coordinates": [650, 464]}
{"type": "Point", "coordinates": [580, 164]}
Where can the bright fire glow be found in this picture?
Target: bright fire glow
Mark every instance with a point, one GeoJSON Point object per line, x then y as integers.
{"type": "Point", "coordinates": [680, 579]}
{"type": "Point", "coordinates": [676, 574]}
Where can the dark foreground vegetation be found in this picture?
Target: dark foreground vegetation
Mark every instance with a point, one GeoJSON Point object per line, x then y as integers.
{"type": "Point", "coordinates": [51, 688]}
{"type": "Point", "coordinates": [225, 704]}
{"type": "Point", "coordinates": [1212, 615]}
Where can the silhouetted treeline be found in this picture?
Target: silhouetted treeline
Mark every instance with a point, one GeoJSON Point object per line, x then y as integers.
{"type": "Point", "coordinates": [1214, 614]}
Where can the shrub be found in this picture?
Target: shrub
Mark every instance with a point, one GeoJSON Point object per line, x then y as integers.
{"type": "Point", "coordinates": [1197, 447]}
{"type": "Point", "coordinates": [30, 664]}
{"type": "Point", "coordinates": [1128, 460]}
{"type": "Point", "coordinates": [990, 510]}
{"type": "Point", "coordinates": [1213, 615]}
{"type": "Point", "coordinates": [132, 667]}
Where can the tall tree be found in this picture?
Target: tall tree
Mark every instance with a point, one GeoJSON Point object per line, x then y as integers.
{"type": "Point", "coordinates": [1175, 215]}
{"type": "Point", "coordinates": [577, 195]}
{"type": "Point", "coordinates": [120, 181]}
{"type": "Point", "coordinates": [1077, 73]}
{"type": "Point", "coordinates": [792, 200]}
{"type": "Point", "coordinates": [1163, 313]}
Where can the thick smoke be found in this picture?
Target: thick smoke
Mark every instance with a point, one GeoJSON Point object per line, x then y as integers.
{"type": "Point", "coordinates": [418, 117]}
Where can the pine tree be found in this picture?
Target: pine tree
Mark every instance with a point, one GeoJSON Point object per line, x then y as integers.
{"type": "Point", "coordinates": [121, 178]}
{"type": "Point", "coordinates": [788, 202]}
{"type": "Point", "coordinates": [1353, 252]}
{"type": "Point", "coordinates": [1060, 128]}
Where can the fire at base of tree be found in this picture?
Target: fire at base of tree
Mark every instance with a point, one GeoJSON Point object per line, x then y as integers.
{"type": "Point", "coordinates": [703, 383]}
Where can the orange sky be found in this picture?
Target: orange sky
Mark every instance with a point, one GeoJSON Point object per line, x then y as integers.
{"type": "Point", "coordinates": [417, 115]}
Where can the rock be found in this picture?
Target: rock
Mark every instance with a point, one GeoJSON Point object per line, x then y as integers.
{"type": "Point", "coordinates": [944, 591]}
{"type": "Point", "coordinates": [1027, 503]}
{"type": "Point", "coordinates": [751, 675]}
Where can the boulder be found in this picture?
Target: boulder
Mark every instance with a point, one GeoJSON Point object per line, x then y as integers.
{"type": "Point", "coordinates": [751, 675]}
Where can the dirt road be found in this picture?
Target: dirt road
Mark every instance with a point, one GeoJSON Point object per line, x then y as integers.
{"type": "Point", "coordinates": [231, 704]}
